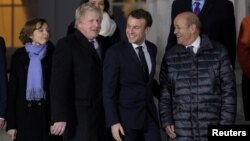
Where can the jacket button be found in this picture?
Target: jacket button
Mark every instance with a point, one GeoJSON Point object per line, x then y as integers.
{"type": "Point", "coordinates": [29, 105]}
{"type": "Point", "coordinates": [39, 103]}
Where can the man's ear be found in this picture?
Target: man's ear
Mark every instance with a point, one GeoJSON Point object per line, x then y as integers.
{"type": "Point", "coordinates": [193, 28]}
{"type": "Point", "coordinates": [147, 29]}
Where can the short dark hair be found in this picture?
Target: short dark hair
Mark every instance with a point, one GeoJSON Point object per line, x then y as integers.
{"type": "Point", "coordinates": [29, 27]}
{"type": "Point", "coordinates": [141, 13]}
{"type": "Point", "coordinates": [106, 4]}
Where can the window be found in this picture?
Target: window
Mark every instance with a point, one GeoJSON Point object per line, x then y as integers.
{"type": "Point", "coordinates": [128, 5]}
{"type": "Point", "coordinates": [13, 14]}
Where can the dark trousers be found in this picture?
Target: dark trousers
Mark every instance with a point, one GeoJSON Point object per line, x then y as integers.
{"type": "Point", "coordinates": [149, 132]}
{"type": "Point", "coordinates": [246, 96]}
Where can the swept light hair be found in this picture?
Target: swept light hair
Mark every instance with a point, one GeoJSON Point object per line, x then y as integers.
{"type": "Point", "coordinates": [83, 9]}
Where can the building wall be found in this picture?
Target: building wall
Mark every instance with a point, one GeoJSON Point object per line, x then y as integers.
{"type": "Point", "coordinates": [60, 13]}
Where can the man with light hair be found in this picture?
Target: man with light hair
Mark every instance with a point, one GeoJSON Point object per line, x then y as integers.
{"type": "Point", "coordinates": [76, 80]}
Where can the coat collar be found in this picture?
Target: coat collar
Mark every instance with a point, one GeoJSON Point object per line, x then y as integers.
{"type": "Point", "coordinates": [85, 44]}
{"type": "Point", "coordinates": [205, 44]}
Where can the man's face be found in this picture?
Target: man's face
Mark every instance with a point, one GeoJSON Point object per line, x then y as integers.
{"type": "Point", "coordinates": [136, 30]}
{"type": "Point", "coordinates": [182, 31]}
{"type": "Point", "coordinates": [90, 24]}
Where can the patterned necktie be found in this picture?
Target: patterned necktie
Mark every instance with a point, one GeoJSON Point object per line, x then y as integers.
{"type": "Point", "coordinates": [143, 61]}
{"type": "Point", "coordinates": [197, 9]}
{"type": "Point", "coordinates": [97, 48]}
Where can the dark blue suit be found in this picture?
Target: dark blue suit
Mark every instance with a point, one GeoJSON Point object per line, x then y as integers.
{"type": "Point", "coordinates": [3, 78]}
{"type": "Point", "coordinates": [127, 95]}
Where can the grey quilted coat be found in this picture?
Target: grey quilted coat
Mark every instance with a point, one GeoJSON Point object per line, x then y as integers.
{"type": "Point", "coordinates": [197, 90]}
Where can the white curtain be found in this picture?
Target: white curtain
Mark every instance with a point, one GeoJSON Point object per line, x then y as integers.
{"type": "Point", "coordinates": [161, 12]}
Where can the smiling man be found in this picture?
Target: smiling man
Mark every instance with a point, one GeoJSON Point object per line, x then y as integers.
{"type": "Point", "coordinates": [128, 73]}
{"type": "Point", "coordinates": [198, 83]}
{"type": "Point", "coordinates": [76, 100]}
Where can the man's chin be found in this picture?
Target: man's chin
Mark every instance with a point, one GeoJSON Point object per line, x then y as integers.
{"type": "Point", "coordinates": [178, 42]}
{"type": "Point", "coordinates": [94, 36]}
{"type": "Point", "coordinates": [131, 41]}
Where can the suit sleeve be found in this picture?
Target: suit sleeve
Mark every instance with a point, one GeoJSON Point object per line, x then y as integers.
{"type": "Point", "coordinates": [60, 81]}
{"type": "Point", "coordinates": [12, 94]}
{"type": "Point", "coordinates": [243, 48]}
{"type": "Point", "coordinates": [3, 80]}
{"type": "Point", "coordinates": [110, 84]}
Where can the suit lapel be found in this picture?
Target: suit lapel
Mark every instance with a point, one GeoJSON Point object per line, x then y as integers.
{"type": "Point", "coordinates": [152, 58]}
{"type": "Point", "coordinates": [207, 6]}
{"type": "Point", "coordinates": [101, 46]}
{"type": "Point", "coordinates": [189, 4]}
{"type": "Point", "coordinates": [134, 56]}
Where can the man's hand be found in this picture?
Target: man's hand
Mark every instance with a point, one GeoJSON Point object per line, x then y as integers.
{"type": "Point", "coordinates": [2, 122]}
{"type": "Point", "coordinates": [12, 134]}
{"type": "Point", "coordinates": [116, 129]}
{"type": "Point", "coordinates": [58, 128]}
{"type": "Point", "coordinates": [170, 131]}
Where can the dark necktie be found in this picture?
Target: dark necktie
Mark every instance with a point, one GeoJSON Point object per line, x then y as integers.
{"type": "Point", "coordinates": [143, 61]}
{"type": "Point", "coordinates": [97, 48]}
{"type": "Point", "coordinates": [190, 49]}
{"type": "Point", "coordinates": [197, 9]}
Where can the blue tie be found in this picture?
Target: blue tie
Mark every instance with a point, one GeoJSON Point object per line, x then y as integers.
{"type": "Point", "coordinates": [197, 9]}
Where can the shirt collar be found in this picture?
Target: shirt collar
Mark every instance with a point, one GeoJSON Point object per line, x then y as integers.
{"type": "Point", "coordinates": [135, 45]}
{"type": "Point", "coordinates": [202, 2]}
{"type": "Point", "coordinates": [196, 44]}
{"type": "Point", "coordinates": [93, 40]}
